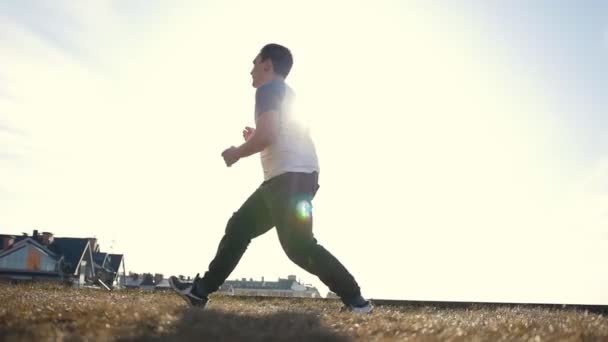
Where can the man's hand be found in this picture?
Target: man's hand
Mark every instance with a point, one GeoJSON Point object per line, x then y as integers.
{"type": "Point", "coordinates": [248, 132]}
{"type": "Point", "coordinates": [256, 139]}
{"type": "Point", "coordinates": [231, 155]}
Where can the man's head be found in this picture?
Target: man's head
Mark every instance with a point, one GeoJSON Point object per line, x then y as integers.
{"type": "Point", "coordinates": [273, 61]}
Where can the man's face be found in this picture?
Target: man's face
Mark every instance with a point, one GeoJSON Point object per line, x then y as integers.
{"type": "Point", "coordinates": [261, 71]}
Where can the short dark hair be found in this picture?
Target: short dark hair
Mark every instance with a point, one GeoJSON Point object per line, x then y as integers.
{"type": "Point", "coordinates": [281, 58]}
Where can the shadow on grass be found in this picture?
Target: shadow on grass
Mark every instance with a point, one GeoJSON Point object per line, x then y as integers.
{"type": "Point", "coordinates": [213, 325]}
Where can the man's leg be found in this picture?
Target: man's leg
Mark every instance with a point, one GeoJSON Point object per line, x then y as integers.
{"type": "Point", "coordinates": [251, 220]}
{"type": "Point", "coordinates": [291, 208]}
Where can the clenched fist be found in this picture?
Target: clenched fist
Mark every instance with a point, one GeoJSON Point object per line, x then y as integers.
{"type": "Point", "coordinates": [231, 155]}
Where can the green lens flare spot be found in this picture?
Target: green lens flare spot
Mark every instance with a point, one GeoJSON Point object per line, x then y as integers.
{"type": "Point", "coordinates": [303, 210]}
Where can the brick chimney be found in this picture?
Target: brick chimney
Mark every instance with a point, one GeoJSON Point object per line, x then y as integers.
{"type": "Point", "coordinates": [8, 242]}
{"type": "Point", "coordinates": [35, 234]}
{"type": "Point", "coordinates": [47, 238]}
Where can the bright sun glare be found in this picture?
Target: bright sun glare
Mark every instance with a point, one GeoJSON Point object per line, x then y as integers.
{"type": "Point", "coordinates": [423, 130]}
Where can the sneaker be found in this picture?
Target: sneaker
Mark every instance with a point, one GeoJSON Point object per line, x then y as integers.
{"type": "Point", "coordinates": [185, 291]}
{"type": "Point", "coordinates": [358, 305]}
{"type": "Point", "coordinates": [366, 308]}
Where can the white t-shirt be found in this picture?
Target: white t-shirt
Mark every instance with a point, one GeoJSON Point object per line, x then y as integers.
{"type": "Point", "coordinates": [293, 149]}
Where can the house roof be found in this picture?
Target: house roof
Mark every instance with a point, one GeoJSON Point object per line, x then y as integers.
{"type": "Point", "coordinates": [115, 260]}
{"type": "Point", "coordinates": [71, 249]}
{"type": "Point", "coordinates": [163, 283]}
{"type": "Point", "coordinates": [100, 258]}
{"type": "Point", "coordinates": [147, 281]}
{"type": "Point", "coordinates": [133, 282]}
{"type": "Point", "coordinates": [16, 246]}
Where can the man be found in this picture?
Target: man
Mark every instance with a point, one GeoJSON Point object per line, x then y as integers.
{"type": "Point", "coordinates": [283, 200]}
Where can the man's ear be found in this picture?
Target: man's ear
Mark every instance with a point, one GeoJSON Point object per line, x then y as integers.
{"type": "Point", "coordinates": [268, 65]}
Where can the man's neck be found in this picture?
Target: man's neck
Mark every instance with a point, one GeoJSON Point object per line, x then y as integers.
{"type": "Point", "coordinates": [275, 78]}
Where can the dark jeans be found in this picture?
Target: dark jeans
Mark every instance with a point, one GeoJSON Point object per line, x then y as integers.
{"type": "Point", "coordinates": [283, 202]}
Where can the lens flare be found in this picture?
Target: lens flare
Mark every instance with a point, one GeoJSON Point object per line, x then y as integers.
{"type": "Point", "coordinates": [303, 210]}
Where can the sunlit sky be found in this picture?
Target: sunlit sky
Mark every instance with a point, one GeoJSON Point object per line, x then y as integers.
{"type": "Point", "coordinates": [462, 144]}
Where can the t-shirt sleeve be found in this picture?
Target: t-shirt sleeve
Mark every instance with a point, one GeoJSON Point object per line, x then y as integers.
{"type": "Point", "coordinates": [267, 98]}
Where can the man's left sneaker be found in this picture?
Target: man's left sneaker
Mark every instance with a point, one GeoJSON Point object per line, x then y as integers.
{"type": "Point", "coordinates": [185, 290]}
{"type": "Point", "coordinates": [358, 305]}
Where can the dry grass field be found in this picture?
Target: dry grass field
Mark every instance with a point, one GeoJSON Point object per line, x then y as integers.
{"type": "Point", "coordinates": [42, 312]}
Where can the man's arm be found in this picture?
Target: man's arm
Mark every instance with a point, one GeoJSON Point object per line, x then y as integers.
{"type": "Point", "coordinates": [268, 103]}
{"type": "Point", "coordinates": [262, 137]}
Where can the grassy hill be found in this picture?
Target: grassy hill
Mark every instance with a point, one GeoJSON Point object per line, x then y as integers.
{"type": "Point", "coordinates": [42, 312]}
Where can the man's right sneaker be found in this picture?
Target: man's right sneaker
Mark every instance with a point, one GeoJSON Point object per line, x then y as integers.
{"type": "Point", "coordinates": [185, 291]}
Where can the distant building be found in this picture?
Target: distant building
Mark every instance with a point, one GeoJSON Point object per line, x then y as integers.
{"type": "Point", "coordinates": [162, 284]}
{"type": "Point", "coordinates": [147, 281]}
{"type": "Point", "coordinates": [133, 280]}
{"type": "Point", "coordinates": [45, 257]}
{"type": "Point", "coordinates": [289, 287]}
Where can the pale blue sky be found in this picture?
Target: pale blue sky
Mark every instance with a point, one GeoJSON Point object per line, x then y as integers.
{"type": "Point", "coordinates": [564, 43]}
{"type": "Point", "coordinates": [485, 166]}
